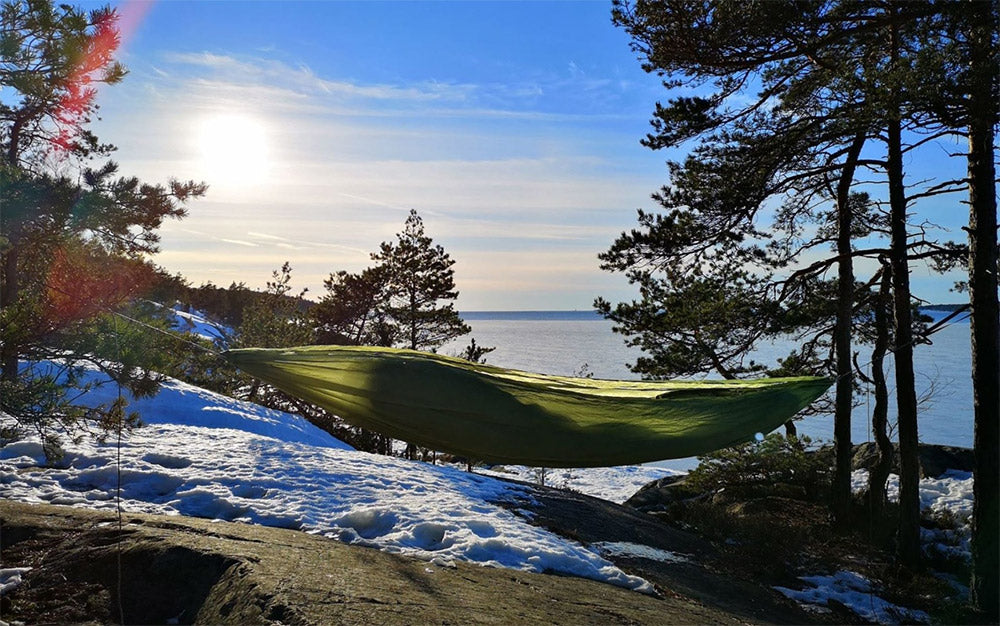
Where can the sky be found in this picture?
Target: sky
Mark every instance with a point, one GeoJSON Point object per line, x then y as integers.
{"type": "Point", "coordinates": [513, 129]}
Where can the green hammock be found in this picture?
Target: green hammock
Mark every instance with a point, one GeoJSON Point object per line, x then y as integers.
{"type": "Point", "coordinates": [498, 415]}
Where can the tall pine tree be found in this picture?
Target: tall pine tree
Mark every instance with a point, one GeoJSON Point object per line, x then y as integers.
{"type": "Point", "coordinates": [829, 78]}
{"type": "Point", "coordinates": [72, 237]}
{"type": "Point", "coordinates": [421, 288]}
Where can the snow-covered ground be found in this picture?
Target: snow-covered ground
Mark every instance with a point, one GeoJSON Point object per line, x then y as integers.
{"type": "Point", "coordinates": [857, 593]}
{"type": "Point", "coordinates": [949, 494]}
{"type": "Point", "coordinates": [206, 455]}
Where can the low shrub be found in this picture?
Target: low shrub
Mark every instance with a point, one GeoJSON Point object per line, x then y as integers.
{"type": "Point", "coordinates": [774, 465]}
{"type": "Point", "coordinates": [759, 533]}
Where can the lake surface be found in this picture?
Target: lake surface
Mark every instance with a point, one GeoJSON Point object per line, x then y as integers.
{"type": "Point", "coordinates": [574, 342]}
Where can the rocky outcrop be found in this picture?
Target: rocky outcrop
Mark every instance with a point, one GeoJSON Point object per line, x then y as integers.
{"type": "Point", "coordinates": [171, 569]}
{"type": "Point", "coordinates": [661, 493]}
{"type": "Point", "coordinates": [935, 460]}
{"type": "Point", "coordinates": [679, 563]}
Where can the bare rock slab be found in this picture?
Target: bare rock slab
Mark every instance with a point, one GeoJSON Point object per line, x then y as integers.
{"type": "Point", "coordinates": [166, 569]}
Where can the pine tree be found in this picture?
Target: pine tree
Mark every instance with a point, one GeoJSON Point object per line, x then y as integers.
{"type": "Point", "coordinates": [275, 319]}
{"type": "Point", "coordinates": [829, 77]}
{"type": "Point", "coordinates": [421, 288]}
{"type": "Point", "coordinates": [72, 237]}
{"type": "Point", "coordinates": [964, 93]}
{"type": "Point", "coordinates": [354, 310]}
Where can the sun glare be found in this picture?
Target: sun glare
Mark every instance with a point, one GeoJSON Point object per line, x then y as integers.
{"type": "Point", "coordinates": [233, 150]}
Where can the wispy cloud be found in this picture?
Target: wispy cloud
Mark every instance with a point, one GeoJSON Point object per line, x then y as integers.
{"type": "Point", "coordinates": [303, 79]}
{"type": "Point", "coordinates": [387, 205]}
{"type": "Point", "coordinates": [265, 236]}
{"type": "Point", "coordinates": [275, 84]}
{"type": "Point", "coordinates": [336, 246]}
{"type": "Point", "coordinates": [238, 242]}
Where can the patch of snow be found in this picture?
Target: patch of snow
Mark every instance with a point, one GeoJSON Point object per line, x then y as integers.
{"type": "Point", "coordinates": [856, 593]}
{"type": "Point", "coordinates": [23, 454]}
{"type": "Point", "coordinates": [952, 491]}
{"type": "Point", "coordinates": [10, 578]}
{"type": "Point", "coordinates": [194, 322]}
{"type": "Point", "coordinates": [615, 484]}
{"type": "Point", "coordinates": [638, 550]}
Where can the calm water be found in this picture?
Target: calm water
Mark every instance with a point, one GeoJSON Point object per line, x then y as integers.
{"type": "Point", "coordinates": [568, 342]}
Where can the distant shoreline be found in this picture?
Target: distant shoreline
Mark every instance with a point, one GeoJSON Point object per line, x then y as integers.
{"type": "Point", "coordinates": [586, 315]}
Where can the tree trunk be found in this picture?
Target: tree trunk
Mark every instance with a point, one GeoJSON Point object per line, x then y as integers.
{"type": "Point", "coordinates": [908, 530]}
{"type": "Point", "coordinates": [8, 349]}
{"type": "Point", "coordinates": [413, 321]}
{"type": "Point", "coordinates": [908, 534]}
{"type": "Point", "coordinates": [985, 318]}
{"type": "Point", "coordinates": [14, 146]}
{"type": "Point", "coordinates": [843, 448]}
{"type": "Point", "coordinates": [880, 412]}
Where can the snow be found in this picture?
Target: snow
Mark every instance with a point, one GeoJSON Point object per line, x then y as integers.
{"type": "Point", "coordinates": [615, 484]}
{"type": "Point", "coordinates": [10, 578]}
{"type": "Point", "coordinates": [640, 551]}
{"type": "Point", "coordinates": [205, 455]}
{"type": "Point", "coordinates": [949, 494]}
{"type": "Point", "coordinates": [952, 491]}
{"type": "Point", "coordinates": [855, 592]}
{"type": "Point", "coordinates": [197, 323]}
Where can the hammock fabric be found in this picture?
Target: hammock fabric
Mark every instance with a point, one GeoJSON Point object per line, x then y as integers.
{"type": "Point", "coordinates": [498, 415]}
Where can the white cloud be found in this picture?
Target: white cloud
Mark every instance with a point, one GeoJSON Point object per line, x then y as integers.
{"type": "Point", "coordinates": [238, 242]}
{"type": "Point", "coordinates": [265, 236]}
{"type": "Point", "coordinates": [303, 80]}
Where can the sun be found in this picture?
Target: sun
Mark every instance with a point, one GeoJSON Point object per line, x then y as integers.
{"type": "Point", "coordinates": [233, 149]}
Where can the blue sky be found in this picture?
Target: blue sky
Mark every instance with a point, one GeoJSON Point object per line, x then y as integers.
{"type": "Point", "coordinates": [513, 129]}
